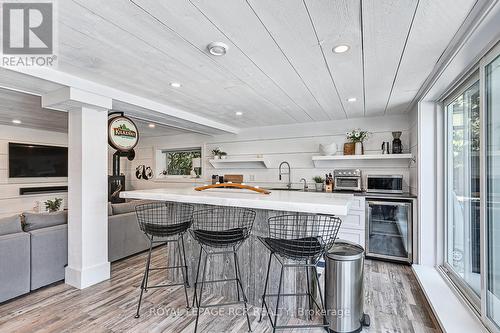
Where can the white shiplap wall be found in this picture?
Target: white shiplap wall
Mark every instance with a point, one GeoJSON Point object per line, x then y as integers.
{"type": "Point", "coordinates": [10, 201]}
{"type": "Point", "coordinates": [293, 143]}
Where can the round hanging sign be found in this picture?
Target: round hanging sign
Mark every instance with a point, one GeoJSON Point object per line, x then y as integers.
{"type": "Point", "coordinates": [122, 133]}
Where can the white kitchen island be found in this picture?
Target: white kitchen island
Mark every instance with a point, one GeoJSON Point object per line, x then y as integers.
{"type": "Point", "coordinates": [253, 255]}
{"type": "Point", "coordinates": [287, 201]}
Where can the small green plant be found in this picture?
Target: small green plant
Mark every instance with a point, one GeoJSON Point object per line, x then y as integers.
{"type": "Point", "coordinates": [318, 179]}
{"type": "Point", "coordinates": [216, 151]}
{"type": "Point", "coordinates": [53, 205]}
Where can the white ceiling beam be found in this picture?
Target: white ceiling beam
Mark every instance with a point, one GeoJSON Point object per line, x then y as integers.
{"type": "Point", "coordinates": [69, 80]}
{"type": "Point", "coordinates": [68, 98]}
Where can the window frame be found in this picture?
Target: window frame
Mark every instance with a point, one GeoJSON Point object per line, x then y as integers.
{"type": "Point", "coordinates": [161, 163]}
{"type": "Point", "coordinates": [485, 61]}
{"type": "Point", "coordinates": [467, 82]}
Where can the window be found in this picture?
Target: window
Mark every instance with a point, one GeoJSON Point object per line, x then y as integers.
{"type": "Point", "coordinates": [472, 191]}
{"type": "Point", "coordinates": [492, 188]}
{"type": "Point", "coordinates": [182, 162]}
{"type": "Point", "coordinates": [462, 252]}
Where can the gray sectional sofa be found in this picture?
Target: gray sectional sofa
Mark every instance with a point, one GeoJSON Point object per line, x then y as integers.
{"type": "Point", "coordinates": [124, 236]}
{"type": "Point", "coordinates": [14, 258]}
{"type": "Point", "coordinates": [49, 247]}
{"type": "Point", "coordinates": [37, 256]}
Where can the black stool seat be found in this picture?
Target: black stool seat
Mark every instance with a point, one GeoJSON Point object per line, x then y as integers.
{"type": "Point", "coordinates": [159, 230]}
{"type": "Point", "coordinates": [224, 238]}
{"type": "Point", "coordinates": [300, 248]}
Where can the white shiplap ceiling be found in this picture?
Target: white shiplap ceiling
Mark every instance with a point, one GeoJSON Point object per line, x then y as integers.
{"type": "Point", "coordinates": [279, 68]}
{"type": "Point", "coordinates": [27, 108]}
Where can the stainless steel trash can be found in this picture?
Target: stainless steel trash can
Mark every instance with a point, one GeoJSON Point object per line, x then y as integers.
{"type": "Point", "coordinates": [344, 287]}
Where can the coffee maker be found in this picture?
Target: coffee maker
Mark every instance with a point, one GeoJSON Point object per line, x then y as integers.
{"type": "Point", "coordinates": [397, 145]}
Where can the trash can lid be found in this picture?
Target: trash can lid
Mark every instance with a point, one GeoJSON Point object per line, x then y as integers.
{"type": "Point", "coordinates": [345, 250]}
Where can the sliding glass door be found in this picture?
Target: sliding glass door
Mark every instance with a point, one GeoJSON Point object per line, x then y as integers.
{"type": "Point", "coordinates": [462, 257]}
{"type": "Point", "coordinates": [472, 189]}
{"type": "Point", "coordinates": [491, 70]}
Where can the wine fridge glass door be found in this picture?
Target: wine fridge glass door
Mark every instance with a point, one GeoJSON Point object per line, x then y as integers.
{"type": "Point", "coordinates": [389, 229]}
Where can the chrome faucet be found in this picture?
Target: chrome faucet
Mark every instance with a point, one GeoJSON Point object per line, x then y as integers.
{"type": "Point", "coordinates": [305, 184]}
{"type": "Point", "coordinates": [289, 185]}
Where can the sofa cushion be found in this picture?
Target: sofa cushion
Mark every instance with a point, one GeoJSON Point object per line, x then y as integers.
{"type": "Point", "coordinates": [14, 266]}
{"type": "Point", "coordinates": [49, 255]}
{"type": "Point", "coordinates": [10, 225]}
{"type": "Point", "coordinates": [127, 207]}
{"type": "Point", "coordinates": [35, 221]}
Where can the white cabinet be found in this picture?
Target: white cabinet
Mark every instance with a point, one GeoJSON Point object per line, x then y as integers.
{"type": "Point", "coordinates": [353, 225]}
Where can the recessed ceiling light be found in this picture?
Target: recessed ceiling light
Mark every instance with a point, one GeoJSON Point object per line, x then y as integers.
{"type": "Point", "coordinates": [16, 121]}
{"type": "Point", "coordinates": [151, 125]}
{"type": "Point", "coordinates": [341, 48]}
{"type": "Point", "coordinates": [217, 48]}
{"type": "Point", "coordinates": [175, 84]}
{"type": "Point", "coordinates": [238, 113]}
{"type": "Point", "coordinates": [352, 99]}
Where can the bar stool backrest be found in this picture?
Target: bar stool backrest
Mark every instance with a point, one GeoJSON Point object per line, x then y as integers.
{"type": "Point", "coordinates": [303, 235]}
{"type": "Point", "coordinates": [222, 226]}
{"type": "Point", "coordinates": [164, 219]}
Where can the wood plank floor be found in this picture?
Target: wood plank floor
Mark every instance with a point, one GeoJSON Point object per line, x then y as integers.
{"type": "Point", "coordinates": [393, 300]}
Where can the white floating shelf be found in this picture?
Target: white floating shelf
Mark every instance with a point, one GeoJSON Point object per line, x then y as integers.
{"type": "Point", "coordinates": [239, 163]}
{"type": "Point", "coordinates": [327, 160]}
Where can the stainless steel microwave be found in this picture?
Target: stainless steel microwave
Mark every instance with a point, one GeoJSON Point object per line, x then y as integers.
{"type": "Point", "coordinates": [384, 183]}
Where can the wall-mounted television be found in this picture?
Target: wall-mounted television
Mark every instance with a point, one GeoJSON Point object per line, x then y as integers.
{"type": "Point", "coordinates": [28, 161]}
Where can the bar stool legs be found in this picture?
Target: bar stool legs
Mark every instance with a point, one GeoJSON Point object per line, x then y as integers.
{"type": "Point", "coordinates": [325, 319]}
{"type": "Point", "coordinates": [144, 283]}
{"type": "Point", "coordinates": [242, 298]}
{"type": "Point", "coordinates": [182, 266]}
{"type": "Point", "coordinates": [238, 281]}
{"type": "Point", "coordinates": [186, 277]}
{"type": "Point", "coordinates": [311, 301]}
{"type": "Point", "coordinates": [265, 286]}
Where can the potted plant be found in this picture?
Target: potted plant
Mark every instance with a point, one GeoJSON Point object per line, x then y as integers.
{"type": "Point", "coordinates": [53, 205]}
{"type": "Point", "coordinates": [319, 182]}
{"type": "Point", "coordinates": [356, 138]}
{"type": "Point", "coordinates": [216, 153]}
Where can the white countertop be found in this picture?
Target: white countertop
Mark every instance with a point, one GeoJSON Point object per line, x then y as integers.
{"type": "Point", "coordinates": [289, 201]}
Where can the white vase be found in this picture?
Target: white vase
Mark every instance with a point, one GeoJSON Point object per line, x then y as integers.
{"type": "Point", "coordinates": [358, 148]}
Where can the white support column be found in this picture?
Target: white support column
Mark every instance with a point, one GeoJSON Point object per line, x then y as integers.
{"type": "Point", "coordinates": [87, 185]}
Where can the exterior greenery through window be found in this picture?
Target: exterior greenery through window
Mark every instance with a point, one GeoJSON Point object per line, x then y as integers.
{"type": "Point", "coordinates": [180, 161]}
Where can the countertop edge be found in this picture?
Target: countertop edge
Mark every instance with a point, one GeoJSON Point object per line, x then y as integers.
{"type": "Point", "coordinates": [315, 208]}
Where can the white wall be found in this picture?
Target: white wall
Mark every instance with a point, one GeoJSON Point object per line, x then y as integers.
{"type": "Point", "coordinates": [413, 135]}
{"type": "Point", "coordinates": [293, 143]}
{"type": "Point", "coordinates": [10, 201]}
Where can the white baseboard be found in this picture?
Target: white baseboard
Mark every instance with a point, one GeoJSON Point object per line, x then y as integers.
{"type": "Point", "coordinates": [83, 278]}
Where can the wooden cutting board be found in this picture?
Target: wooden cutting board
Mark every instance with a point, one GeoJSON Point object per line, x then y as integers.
{"type": "Point", "coordinates": [237, 179]}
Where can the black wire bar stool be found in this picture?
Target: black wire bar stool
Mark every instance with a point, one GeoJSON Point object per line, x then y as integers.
{"type": "Point", "coordinates": [219, 231]}
{"type": "Point", "coordinates": [164, 223]}
{"type": "Point", "coordinates": [298, 241]}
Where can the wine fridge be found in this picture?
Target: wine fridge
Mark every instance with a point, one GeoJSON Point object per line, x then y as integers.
{"type": "Point", "coordinates": [389, 229]}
